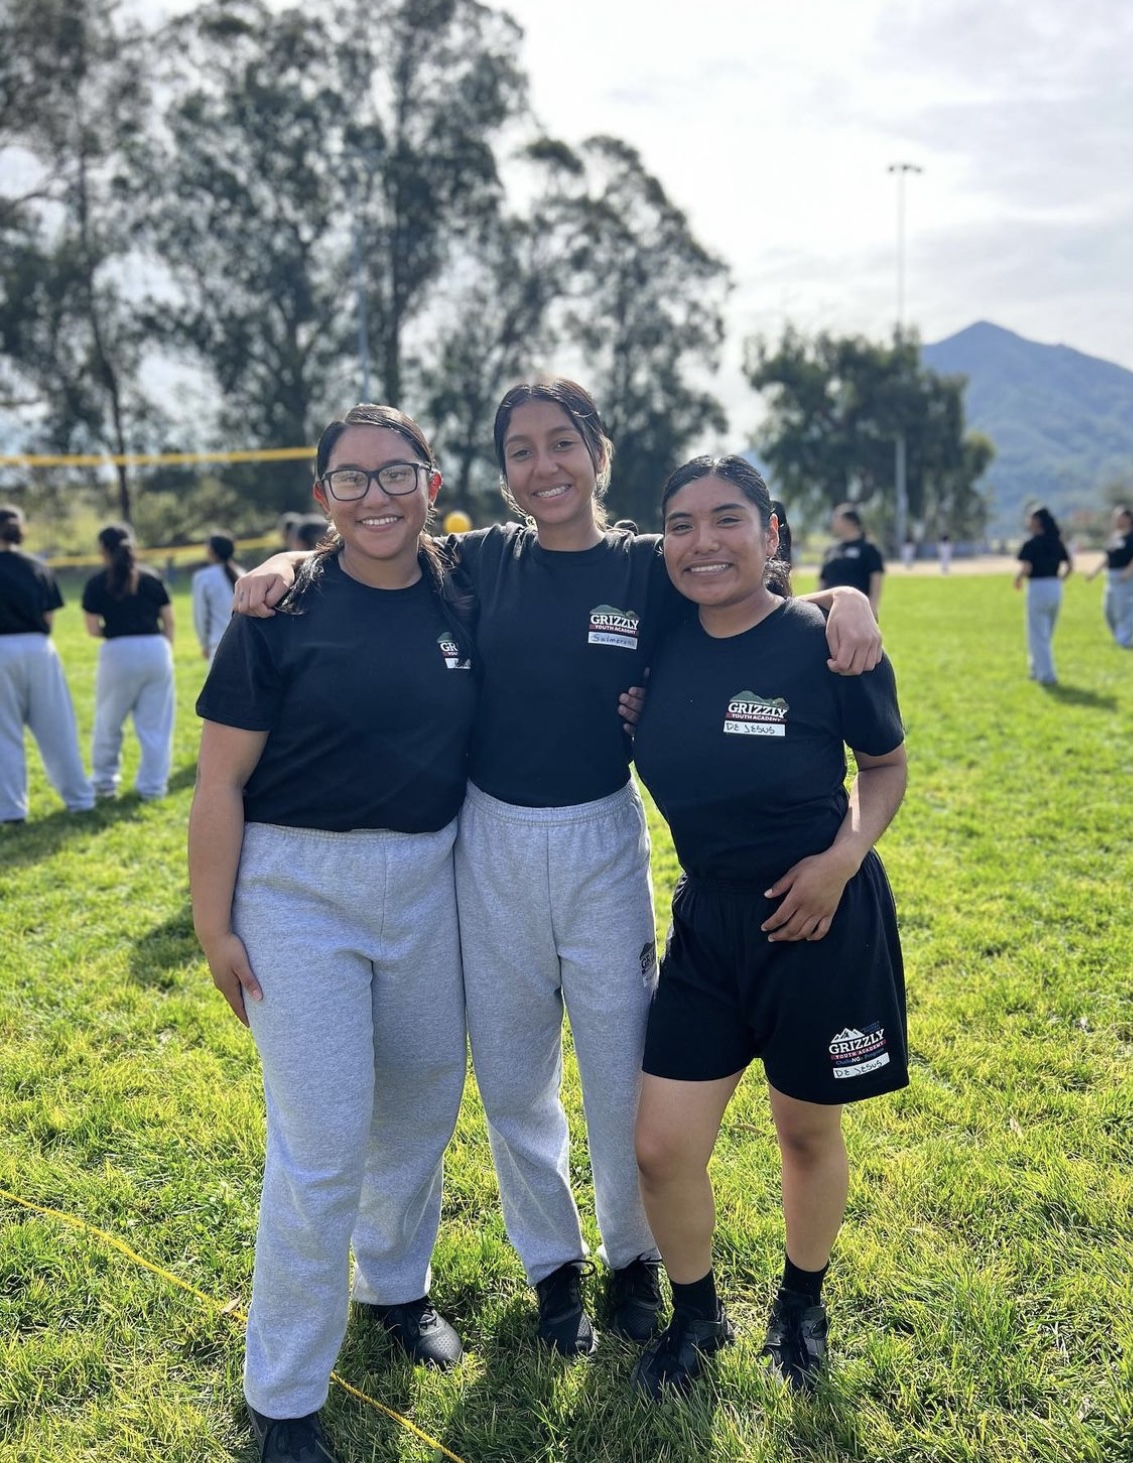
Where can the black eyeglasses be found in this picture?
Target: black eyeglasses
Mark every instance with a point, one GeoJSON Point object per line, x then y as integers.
{"type": "Point", "coordinates": [397, 479]}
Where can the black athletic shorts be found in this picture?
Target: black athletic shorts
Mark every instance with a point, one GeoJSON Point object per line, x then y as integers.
{"type": "Point", "coordinates": [826, 1016]}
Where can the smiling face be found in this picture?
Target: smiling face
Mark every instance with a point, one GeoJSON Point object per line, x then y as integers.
{"type": "Point", "coordinates": [379, 531]}
{"type": "Point", "coordinates": [716, 550]}
{"type": "Point", "coordinates": [551, 474]}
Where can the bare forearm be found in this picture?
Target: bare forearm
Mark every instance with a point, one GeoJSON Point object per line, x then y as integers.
{"type": "Point", "coordinates": [875, 796]}
{"type": "Point", "coordinates": [216, 835]}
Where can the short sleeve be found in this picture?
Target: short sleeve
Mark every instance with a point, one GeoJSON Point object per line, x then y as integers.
{"type": "Point", "coordinates": [245, 685]}
{"type": "Point", "coordinates": [52, 598]}
{"type": "Point", "coordinates": [156, 590]}
{"type": "Point", "coordinates": [871, 717]}
{"type": "Point", "coordinates": [875, 561]}
{"type": "Point", "coordinates": [92, 598]}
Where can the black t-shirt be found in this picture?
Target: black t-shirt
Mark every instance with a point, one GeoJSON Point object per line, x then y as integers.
{"type": "Point", "coordinates": [1119, 552]}
{"type": "Point", "coordinates": [742, 742]}
{"type": "Point", "coordinates": [28, 593]}
{"type": "Point", "coordinates": [138, 613]}
{"type": "Point", "coordinates": [560, 635]}
{"type": "Point", "coordinates": [367, 702]}
{"type": "Point", "coordinates": [1044, 553]}
{"type": "Point", "coordinates": [851, 563]}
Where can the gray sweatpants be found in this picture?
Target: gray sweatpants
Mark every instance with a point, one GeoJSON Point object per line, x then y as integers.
{"type": "Point", "coordinates": [135, 674]}
{"type": "Point", "coordinates": [33, 693]}
{"type": "Point", "coordinates": [1117, 607]}
{"type": "Point", "coordinates": [556, 908]}
{"type": "Point", "coordinates": [1044, 600]}
{"type": "Point", "coordinates": [360, 1031]}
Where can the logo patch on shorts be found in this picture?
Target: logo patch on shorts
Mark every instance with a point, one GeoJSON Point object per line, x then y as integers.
{"type": "Point", "coordinates": [648, 961]}
{"type": "Point", "coordinates": [451, 652]}
{"type": "Point", "coordinates": [750, 715]}
{"type": "Point", "coordinates": [609, 626]}
{"type": "Point", "coordinates": [854, 1053]}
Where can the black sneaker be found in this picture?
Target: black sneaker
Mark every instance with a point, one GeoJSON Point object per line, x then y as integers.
{"type": "Point", "coordinates": [563, 1323]}
{"type": "Point", "coordinates": [633, 1300]}
{"type": "Point", "coordinates": [291, 1439]}
{"type": "Point", "coordinates": [795, 1346]}
{"type": "Point", "coordinates": [422, 1333]}
{"type": "Point", "coordinates": [674, 1360]}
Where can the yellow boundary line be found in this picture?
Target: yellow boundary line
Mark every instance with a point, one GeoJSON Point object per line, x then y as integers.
{"type": "Point", "coordinates": [153, 459]}
{"type": "Point", "coordinates": [229, 1310]}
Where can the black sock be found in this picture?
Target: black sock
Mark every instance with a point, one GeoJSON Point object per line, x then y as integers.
{"type": "Point", "coordinates": [699, 1298]}
{"type": "Point", "coordinates": [805, 1283]}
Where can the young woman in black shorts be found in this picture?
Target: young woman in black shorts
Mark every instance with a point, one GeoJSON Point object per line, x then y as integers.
{"type": "Point", "coordinates": [784, 938]}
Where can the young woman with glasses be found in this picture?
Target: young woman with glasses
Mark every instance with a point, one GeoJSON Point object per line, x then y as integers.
{"type": "Point", "coordinates": [552, 860]}
{"type": "Point", "coordinates": [332, 768]}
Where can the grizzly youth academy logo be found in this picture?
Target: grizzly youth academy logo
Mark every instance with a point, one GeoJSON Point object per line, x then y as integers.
{"type": "Point", "coordinates": [609, 626]}
{"type": "Point", "coordinates": [854, 1053]}
{"type": "Point", "coordinates": [750, 715]}
{"type": "Point", "coordinates": [451, 652]}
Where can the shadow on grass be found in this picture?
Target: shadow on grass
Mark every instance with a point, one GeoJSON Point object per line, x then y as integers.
{"type": "Point", "coordinates": [1079, 696]}
{"type": "Point", "coordinates": [43, 838]}
{"type": "Point", "coordinates": [163, 952]}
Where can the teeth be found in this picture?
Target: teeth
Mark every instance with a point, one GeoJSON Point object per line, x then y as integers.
{"type": "Point", "coordinates": [707, 568]}
{"type": "Point", "coordinates": [377, 522]}
{"type": "Point", "coordinates": [552, 492]}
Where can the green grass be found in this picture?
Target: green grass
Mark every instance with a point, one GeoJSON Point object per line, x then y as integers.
{"type": "Point", "coordinates": [982, 1290]}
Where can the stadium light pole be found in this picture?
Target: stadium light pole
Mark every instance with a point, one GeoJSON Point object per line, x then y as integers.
{"type": "Point", "coordinates": [901, 493]}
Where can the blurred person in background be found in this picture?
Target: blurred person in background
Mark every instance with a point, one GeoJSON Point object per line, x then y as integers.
{"type": "Point", "coordinates": [1117, 605]}
{"type": "Point", "coordinates": [212, 592]}
{"type": "Point", "coordinates": [1044, 561]}
{"type": "Point", "coordinates": [33, 688]}
{"type": "Point", "coordinates": [127, 607]}
{"type": "Point", "coordinates": [854, 560]}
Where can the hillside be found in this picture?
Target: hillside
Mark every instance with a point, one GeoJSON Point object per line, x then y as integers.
{"type": "Point", "coordinates": [1061, 421]}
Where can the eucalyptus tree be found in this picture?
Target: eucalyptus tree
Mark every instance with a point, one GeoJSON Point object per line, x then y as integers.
{"type": "Point", "coordinates": [642, 303]}
{"type": "Point", "coordinates": [73, 102]}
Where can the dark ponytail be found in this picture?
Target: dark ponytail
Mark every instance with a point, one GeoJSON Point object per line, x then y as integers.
{"type": "Point", "coordinates": [224, 547]}
{"type": "Point", "coordinates": [122, 572]}
{"type": "Point", "coordinates": [11, 525]}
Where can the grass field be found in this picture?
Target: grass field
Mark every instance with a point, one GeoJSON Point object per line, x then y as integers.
{"type": "Point", "coordinates": [982, 1290]}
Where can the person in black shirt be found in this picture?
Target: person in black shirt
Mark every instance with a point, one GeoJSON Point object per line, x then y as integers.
{"type": "Point", "coordinates": [552, 859]}
{"type": "Point", "coordinates": [853, 560]}
{"type": "Point", "coordinates": [33, 688]}
{"type": "Point", "coordinates": [784, 940]}
{"type": "Point", "coordinates": [332, 769]}
{"type": "Point", "coordinates": [1117, 604]}
{"type": "Point", "coordinates": [127, 607]}
{"type": "Point", "coordinates": [1044, 561]}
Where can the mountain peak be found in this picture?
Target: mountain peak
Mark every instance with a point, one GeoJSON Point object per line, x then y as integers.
{"type": "Point", "coordinates": [1061, 421]}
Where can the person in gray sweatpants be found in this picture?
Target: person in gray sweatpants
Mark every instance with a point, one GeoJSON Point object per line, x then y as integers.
{"type": "Point", "coordinates": [1044, 561]}
{"type": "Point", "coordinates": [331, 772]}
{"type": "Point", "coordinates": [33, 688]}
{"type": "Point", "coordinates": [127, 607]}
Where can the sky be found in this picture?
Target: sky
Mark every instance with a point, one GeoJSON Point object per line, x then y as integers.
{"type": "Point", "coordinates": [772, 125]}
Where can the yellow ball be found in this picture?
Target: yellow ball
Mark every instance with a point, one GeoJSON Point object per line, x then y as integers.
{"type": "Point", "coordinates": [457, 521]}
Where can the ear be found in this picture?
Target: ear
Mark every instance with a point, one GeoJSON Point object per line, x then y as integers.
{"type": "Point", "coordinates": [318, 492]}
{"type": "Point", "coordinates": [434, 486]}
{"type": "Point", "coordinates": [772, 537]}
